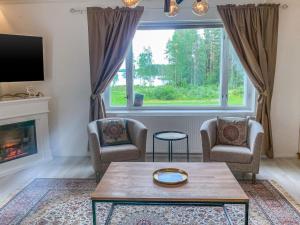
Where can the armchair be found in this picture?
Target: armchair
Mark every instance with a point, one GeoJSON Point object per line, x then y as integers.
{"type": "Point", "coordinates": [241, 159]}
{"type": "Point", "coordinates": [101, 156]}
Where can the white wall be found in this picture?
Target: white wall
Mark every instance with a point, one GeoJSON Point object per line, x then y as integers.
{"type": "Point", "coordinates": [286, 100]}
{"type": "Point", "coordinates": [67, 68]}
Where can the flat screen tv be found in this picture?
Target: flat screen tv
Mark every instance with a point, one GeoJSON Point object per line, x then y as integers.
{"type": "Point", "coordinates": [21, 58]}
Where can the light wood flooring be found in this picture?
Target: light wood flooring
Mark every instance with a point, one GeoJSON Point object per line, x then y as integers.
{"type": "Point", "coordinates": [285, 171]}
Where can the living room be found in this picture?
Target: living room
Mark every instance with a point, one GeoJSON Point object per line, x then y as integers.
{"type": "Point", "coordinates": [175, 72]}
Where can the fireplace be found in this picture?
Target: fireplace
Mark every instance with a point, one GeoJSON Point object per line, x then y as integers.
{"type": "Point", "coordinates": [17, 140]}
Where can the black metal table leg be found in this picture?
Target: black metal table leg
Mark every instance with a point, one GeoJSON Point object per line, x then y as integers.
{"type": "Point", "coordinates": [94, 213]}
{"type": "Point", "coordinates": [246, 213]}
{"type": "Point", "coordinates": [108, 219]}
{"type": "Point", "coordinates": [167, 203]}
{"type": "Point", "coordinates": [227, 215]}
{"type": "Point", "coordinates": [169, 147]}
{"type": "Point", "coordinates": [171, 151]}
{"type": "Point", "coordinates": [153, 149]}
{"type": "Point", "coordinates": [188, 148]}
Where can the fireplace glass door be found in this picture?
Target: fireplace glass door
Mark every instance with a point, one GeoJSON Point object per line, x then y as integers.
{"type": "Point", "coordinates": [17, 140]}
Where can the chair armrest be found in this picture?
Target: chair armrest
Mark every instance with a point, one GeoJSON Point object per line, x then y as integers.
{"type": "Point", "coordinates": [138, 135]}
{"type": "Point", "coordinates": [208, 132]}
{"type": "Point", "coordinates": [255, 136]}
{"type": "Point", "coordinates": [94, 144]}
{"type": "Point", "coordinates": [255, 139]}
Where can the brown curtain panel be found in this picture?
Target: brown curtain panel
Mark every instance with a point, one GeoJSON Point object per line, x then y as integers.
{"type": "Point", "coordinates": [253, 31]}
{"type": "Point", "coordinates": [110, 34]}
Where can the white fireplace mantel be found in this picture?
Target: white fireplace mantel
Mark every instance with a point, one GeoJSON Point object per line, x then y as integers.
{"type": "Point", "coordinates": [19, 110]}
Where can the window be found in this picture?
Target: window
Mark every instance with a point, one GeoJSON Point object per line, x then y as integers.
{"type": "Point", "coordinates": [118, 88]}
{"type": "Point", "coordinates": [179, 67]}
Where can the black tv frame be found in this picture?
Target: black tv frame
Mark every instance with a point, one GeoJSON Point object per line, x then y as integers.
{"type": "Point", "coordinates": [42, 77]}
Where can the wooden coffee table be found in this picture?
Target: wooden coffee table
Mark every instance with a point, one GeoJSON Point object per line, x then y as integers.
{"type": "Point", "coordinates": [209, 184]}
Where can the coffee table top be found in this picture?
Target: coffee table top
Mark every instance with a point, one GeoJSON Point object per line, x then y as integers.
{"type": "Point", "coordinates": [132, 181]}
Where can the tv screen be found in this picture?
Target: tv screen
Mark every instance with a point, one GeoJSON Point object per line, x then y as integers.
{"type": "Point", "coordinates": [21, 58]}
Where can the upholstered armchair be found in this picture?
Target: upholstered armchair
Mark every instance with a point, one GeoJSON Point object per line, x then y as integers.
{"type": "Point", "coordinates": [101, 156]}
{"type": "Point", "coordinates": [241, 159]}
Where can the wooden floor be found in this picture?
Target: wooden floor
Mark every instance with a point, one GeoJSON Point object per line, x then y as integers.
{"type": "Point", "coordinates": [285, 171]}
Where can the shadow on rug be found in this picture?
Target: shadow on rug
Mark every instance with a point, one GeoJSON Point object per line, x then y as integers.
{"type": "Point", "coordinates": [66, 201]}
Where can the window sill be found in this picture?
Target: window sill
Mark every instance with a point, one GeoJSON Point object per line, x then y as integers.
{"type": "Point", "coordinates": [179, 113]}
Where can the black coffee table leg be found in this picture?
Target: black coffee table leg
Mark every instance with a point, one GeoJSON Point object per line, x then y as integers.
{"type": "Point", "coordinates": [246, 213]}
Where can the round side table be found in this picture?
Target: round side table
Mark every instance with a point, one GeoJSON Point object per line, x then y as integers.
{"type": "Point", "coordinates": [171, 136]}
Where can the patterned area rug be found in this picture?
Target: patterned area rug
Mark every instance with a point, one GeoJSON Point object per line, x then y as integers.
{"type": "Point", "coordinates": [66, 201]}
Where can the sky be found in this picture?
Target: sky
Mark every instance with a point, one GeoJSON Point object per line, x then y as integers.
{"type": "Point", "coordinates": [157, 39]}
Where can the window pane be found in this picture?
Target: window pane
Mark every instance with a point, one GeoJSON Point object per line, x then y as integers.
{"type": "Point", "coordinates": [118, 90]}
{"type": "Point", "coordinates": [237, 83]}
{"type": "Point", "coordinates": [177, 67]}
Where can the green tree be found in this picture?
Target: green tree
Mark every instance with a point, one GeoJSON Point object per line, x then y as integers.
{"type": "Point", "coordinates": [146, 70]}
{"type": "Point", "coordinates": [212, 57]}
{"type": "Point", "coordinates": [194, 57]}
{"type": "Point", "coordinates": [236, 71]}
{"type": "Point", "coordinates": [121, 72]}
{"type": "Point", "coordinates": [180, 52]}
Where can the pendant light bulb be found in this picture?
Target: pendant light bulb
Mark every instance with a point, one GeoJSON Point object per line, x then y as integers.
{"type": "Point", "coordinates": [200, 7]}
{"type": "Point", "coordinates": [174, 9]}
{"type": "Point", "coordinates": [131, 3]}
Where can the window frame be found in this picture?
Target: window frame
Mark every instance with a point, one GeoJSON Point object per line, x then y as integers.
{"type": "Point", "coordinates": [250, 94]}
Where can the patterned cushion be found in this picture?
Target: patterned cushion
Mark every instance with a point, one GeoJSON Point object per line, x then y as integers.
{"type": "Point", "coordinates": [232, 131]}
{"type": "Point", "coordinates": [113, 132]}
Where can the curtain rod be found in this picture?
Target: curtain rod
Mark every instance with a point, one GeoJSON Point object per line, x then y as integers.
{"type": "Point", "coordinates": [81, 11]}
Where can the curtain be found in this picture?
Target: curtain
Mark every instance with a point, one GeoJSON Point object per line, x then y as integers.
{"type": "Point", "coordinates": [110, 34]}
{"type": "Point", "coordinates": [253, 31]}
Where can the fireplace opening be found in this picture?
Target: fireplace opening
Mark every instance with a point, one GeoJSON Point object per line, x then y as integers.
{"type": "Point", "coordinates": [17, 140]}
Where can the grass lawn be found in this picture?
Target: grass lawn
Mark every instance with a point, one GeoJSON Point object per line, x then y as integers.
{"type": "Point", "coordinates": [118, 97]}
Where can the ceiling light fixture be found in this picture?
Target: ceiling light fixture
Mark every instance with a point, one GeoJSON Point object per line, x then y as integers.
{"type": "Point", "coordinates": [131, 3]}
{"type": "Point", "coordinates": [171, 8]}
{"type": "Point", "coordinates": [200, 7]}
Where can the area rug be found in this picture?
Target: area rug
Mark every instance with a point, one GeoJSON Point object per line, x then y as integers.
{"type": "Point", "coordinates": [66, 201]}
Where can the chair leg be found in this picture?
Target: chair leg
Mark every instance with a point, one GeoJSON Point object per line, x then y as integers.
{"type": "Point", "coordinates": [253, 178]}
{"type": "Point", "coordinates": [98, 177]}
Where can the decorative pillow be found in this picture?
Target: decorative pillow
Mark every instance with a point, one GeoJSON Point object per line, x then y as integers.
{"type": "Point", "coordinates": [113, 132]}
{"type": "Point", "coordinates": [232, 131]}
